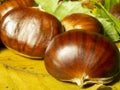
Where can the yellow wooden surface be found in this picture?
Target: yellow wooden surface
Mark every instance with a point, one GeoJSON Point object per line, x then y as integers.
{"type": "Point", "coordinates": [20, 73]}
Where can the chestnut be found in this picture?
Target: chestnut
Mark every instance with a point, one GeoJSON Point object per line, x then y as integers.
{"type": "Point", "coordinates": [28, 31]}
{"type": "Point", "coordinates": [115, 10]}
{"type": "Point", "coordinates": [82, 21]}
{"type": "Point", "coordinates": [82, 57]}
{"type": "Point", "coordinates": [11, 4]}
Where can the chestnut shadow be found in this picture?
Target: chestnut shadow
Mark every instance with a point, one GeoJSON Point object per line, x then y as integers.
{"type": "Point", "coordinates": [31, 58]}
{"type": "Point", "coordinates": [116, 79]}
{"type": "Point", "coordinates": [2, 46]}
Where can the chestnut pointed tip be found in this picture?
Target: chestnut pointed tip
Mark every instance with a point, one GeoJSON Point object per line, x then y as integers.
{"type": "Point", "coordinates": [77, 81]}
{"type": "Point", "coordinates": [86, 80]}
{"type": "Point", "coordinates": [80, 81]}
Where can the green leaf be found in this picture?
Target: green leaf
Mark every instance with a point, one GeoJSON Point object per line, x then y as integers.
{"type": "Point", "coordinates": [110, 23]}
{"type": "Point", "coordinates": [61, 9]}
{"type": "Point", "coordinates": [49, 6]}
{"type": "Point", "coordinates": [109, 3]}
{"type": "Point", "coordinates": [109, 29]}
{"type": "Point", "coordinates": [69, 7]}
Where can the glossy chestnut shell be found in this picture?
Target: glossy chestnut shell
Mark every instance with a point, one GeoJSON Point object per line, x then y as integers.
{"type": "Point", "coordinates": [82, 57]}
{"type": "Point", "coordinates": [29, 30]}
{"type": "Point", "coordinates": [11, 4]}
{"type": "Point", "coordinates": [82, 21]}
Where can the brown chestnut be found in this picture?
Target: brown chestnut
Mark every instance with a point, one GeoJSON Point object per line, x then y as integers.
{"type": "Point", "coordinates": [82, 57]}
{"type": "Point", "coordinates": [11, 4]}
{"type": "Point", "coordinates": [28, 31]}
{"type": "Point", "coordinates": [82, 21]}
{"type": "Point", "coordinates": [115, 10]}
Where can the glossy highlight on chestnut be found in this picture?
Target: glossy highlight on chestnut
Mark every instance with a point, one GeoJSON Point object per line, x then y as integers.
{"type": "Point", "coordinates": [28, 31]}
{"type": "Point", "coordinates": [11, 4]}
{"type": "Point", "coordinates": [82, 21]}
{"type": "Point", "coordinates": [82, 57]}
